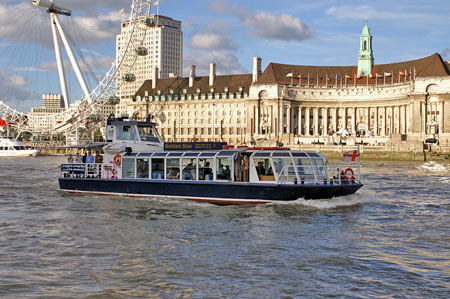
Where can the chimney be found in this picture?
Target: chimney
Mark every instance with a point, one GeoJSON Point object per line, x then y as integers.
{"type": "Point", "coordinates": [192, 76]}
{"type": "Point", "coordinates": [212, 73]}
{"type": "Point", "coordinates": [155, 77]}
{"type": "Point", "coordinates": [256, 69]}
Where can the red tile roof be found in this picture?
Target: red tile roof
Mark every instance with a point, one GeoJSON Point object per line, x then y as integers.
{"type": "Point", "coordinates": [276, 73]}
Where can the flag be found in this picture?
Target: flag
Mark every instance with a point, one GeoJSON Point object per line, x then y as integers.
{"type": "Point", "coordinates": [401, 73]}
{"type": "Point", "coordinates": [156, 3]}
{"type": "Point", "coordinates": [387, 74]}
{"type": "Point", "coordinates": [121, 11]}
{"type": "Point", "coordinates": [378, 75]}
{"type": "Point", "coordinates": [359, 76]}
{"type": "Point", "coordinates": [289, 75]}
{"type": "Point", "coordinates": [371, 75]}
{"type": "Point", "coordinates": [347, 77]}
{"type": "Point", "coordinates": [351, 156]}
{"type": "Point", "coordinates": [299, 76]}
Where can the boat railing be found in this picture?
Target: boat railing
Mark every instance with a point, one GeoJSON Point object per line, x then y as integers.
{"type": "Point", "coordinates": [340, 174]}
{"type": "Point", "coordinates": [89, 170]}
{"type": "Point", "coordinates": [346, 173]}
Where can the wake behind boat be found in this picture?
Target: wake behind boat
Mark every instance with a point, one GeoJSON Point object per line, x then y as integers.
{"type": "Point", "coordinates": [138, 164]}
{"type": "Point", "coordinates": [10, 147]}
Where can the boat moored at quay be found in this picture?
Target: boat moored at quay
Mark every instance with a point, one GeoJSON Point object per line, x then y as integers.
{"type": "Point", "coordinates": [138, 164]}
{"type": "Point", "coordinates": [10, 147]}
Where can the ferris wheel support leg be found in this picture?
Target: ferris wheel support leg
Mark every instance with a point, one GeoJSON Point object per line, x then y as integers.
{"type": "Point", "coordinates": [73, 61]}
{"type": "Point", "coordinates": [59, 61]}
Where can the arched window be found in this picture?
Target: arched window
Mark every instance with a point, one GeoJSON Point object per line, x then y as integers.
{"type": "Point", "coordinates": [365, 45]}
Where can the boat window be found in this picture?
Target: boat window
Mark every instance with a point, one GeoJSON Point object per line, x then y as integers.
{"type": "Point", "coordinates": [144, 154]}
{"type": "Point", "coordinates": [1, 148]}
{"type": "Point", "coordinates": [264, 169]}
{"type": "Point", "coordinates": [173, 168]}
{"type": "Point", "coordinates": [319, 166]}
{"type": "Point", "coordinates": [261, 155]}
{"type": "Point", "coordinates": [224, 168]}
{"type": "Point", "coordinates": [283, 167]}
{"type": "Point", "coordinates": [126, 133]}
{"type": "Point", "coordinates": [142, 168]}
{"type": "Point", "coordinates": [205, 171]}
{"type": "Point", "coordinates": [225, 153]}
{"type": "Point", "coordinates": [190, 154]}
{"type": "Point", "coordinates": [280, 154]}
{"type": "Point", "coordinates": [313, 155]}
{"type": "Point", "coordinates": [299, 155]}
{"type": "Point", "coordinates": [189, 169]}
{"type": "Point", "coordinates": [175, 154]}
{"type": "Point", "coordinates": [157, 169]}
{"type": "Point", "coordinates": [159, 154]}
{"type": "Point", "coordinates": [207, 154]}
{"type": "Point", "coordinates": [128, 168]}
{"type": "Point", "coordinates": [148, 134]}
{"type": "Point", "coordinates": [304, 166]}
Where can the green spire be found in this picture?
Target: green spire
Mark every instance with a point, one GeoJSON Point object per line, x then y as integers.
{"type": "Point", "coordinates": [365, 59]}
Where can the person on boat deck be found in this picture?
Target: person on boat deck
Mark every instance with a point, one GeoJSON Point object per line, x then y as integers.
{"type": "Point", "coordinates": [238, 167]}
{"type": "Point", "coordinates": [90, 157]}
{"type": "Point", "coordinates": [83, 159]}
{"type": "Point", "coordinates": [246, 166]}
{"type": "Point", "coordinates": [98, 157]}
{"type": "Point", "coordinates": [227, 172]}
{"type": "Point", "coordinates": [260, 168]}
{"type": "Point", "coordinates": [78, 158]}
{"type": "Point", "coordinates": [70, 159]}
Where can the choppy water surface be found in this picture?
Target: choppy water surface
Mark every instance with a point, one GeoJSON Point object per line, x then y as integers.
{"type": "Point", "coordinates": [390, 240]}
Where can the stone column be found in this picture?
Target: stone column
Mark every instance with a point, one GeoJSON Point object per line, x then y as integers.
{"type": "Point", "coordinates": [307, 119]}
{"type": "Point", "coordinates": [325, 121]}
{"type": "Point", "coordinates": [384, 124]}
{"type": "Point", "coordinates": [375, 122]}
{"type": "Point", "coordinates": [344, 118]}
{"type": "Point", "coordinates": [299, 120]}
{"type": "Point", "coordinates": [288, 119]}
{"type": "Point", "coordinates": [316, 121]}
{"type": "Point", "coordinates": [335, 119]}
{"type": "Point", "coordinates": [441, 118]}
{"type": "Point", "coordinates": [354, 122]}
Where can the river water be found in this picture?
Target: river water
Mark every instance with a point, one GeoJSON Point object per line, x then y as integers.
{"type": "Point", "coordinates": [389, 240]}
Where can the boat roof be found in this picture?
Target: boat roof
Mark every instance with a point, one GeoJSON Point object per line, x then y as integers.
{"type": "Point", "coordinates": [229, 153]}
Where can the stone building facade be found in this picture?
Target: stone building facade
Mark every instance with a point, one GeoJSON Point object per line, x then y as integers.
{"type": "Point", "coordinates": [368, 103]}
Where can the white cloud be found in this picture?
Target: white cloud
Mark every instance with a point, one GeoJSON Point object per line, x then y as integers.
{"type": "Point", "coordinates": [446, 54]}
{"type": "Point", "coordinates": [34, 25]}
{"type": "Point", "coordinates": [226, 63]}
{"type": "Point", "coordinates": [283, 27]}
{"type": "Point", "coordinates": [14, 90]}
{"type": "Point", "coordinates": [18, 80]}
{"type": "Point", "coordinates": [212, 39]}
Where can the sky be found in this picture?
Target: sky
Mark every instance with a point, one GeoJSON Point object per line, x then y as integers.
{"type": "Point", "coordinates": [227, 32]}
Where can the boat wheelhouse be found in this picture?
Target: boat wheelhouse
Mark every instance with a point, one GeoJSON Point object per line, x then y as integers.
{"type": "Point", "coordinates": [138, 164]}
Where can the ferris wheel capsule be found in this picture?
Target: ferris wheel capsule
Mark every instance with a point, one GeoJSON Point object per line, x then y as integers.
{"type": "Point", "coordinates": [141, 51]}
{"type": "Point", "coordinates": [150, 22]}
{"type": "Point", "coordinates": [129, 77]}
{"type": "Point", "coordinates": [113, 100]}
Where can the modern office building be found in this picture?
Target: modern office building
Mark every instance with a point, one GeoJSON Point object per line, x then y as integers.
{"type": "Point", "coordinates": [157, 44]}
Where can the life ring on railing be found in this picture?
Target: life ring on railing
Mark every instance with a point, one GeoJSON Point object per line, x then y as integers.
{"type": "Point", "coordinates": [349, 175]}
{"type": "Point", "coordinates": [117, 159]}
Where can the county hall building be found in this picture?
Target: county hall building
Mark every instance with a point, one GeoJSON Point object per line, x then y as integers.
{"type": "Point", "coordinates": [400, 103]}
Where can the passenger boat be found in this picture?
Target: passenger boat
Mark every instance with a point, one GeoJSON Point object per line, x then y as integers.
{"type": "Point", "coordinates": [10, 147]}
{"type": "Point", "coordinates": [138, 164]}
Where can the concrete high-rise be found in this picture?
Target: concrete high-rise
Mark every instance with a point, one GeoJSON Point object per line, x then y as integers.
{"type": "Point", "coordinates": [157, 44]}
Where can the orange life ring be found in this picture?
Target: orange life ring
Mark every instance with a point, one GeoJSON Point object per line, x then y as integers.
{"type": "Point", "coordinates": [117, 159]}
{"type": "Point", "coordinates": [349, 175]}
